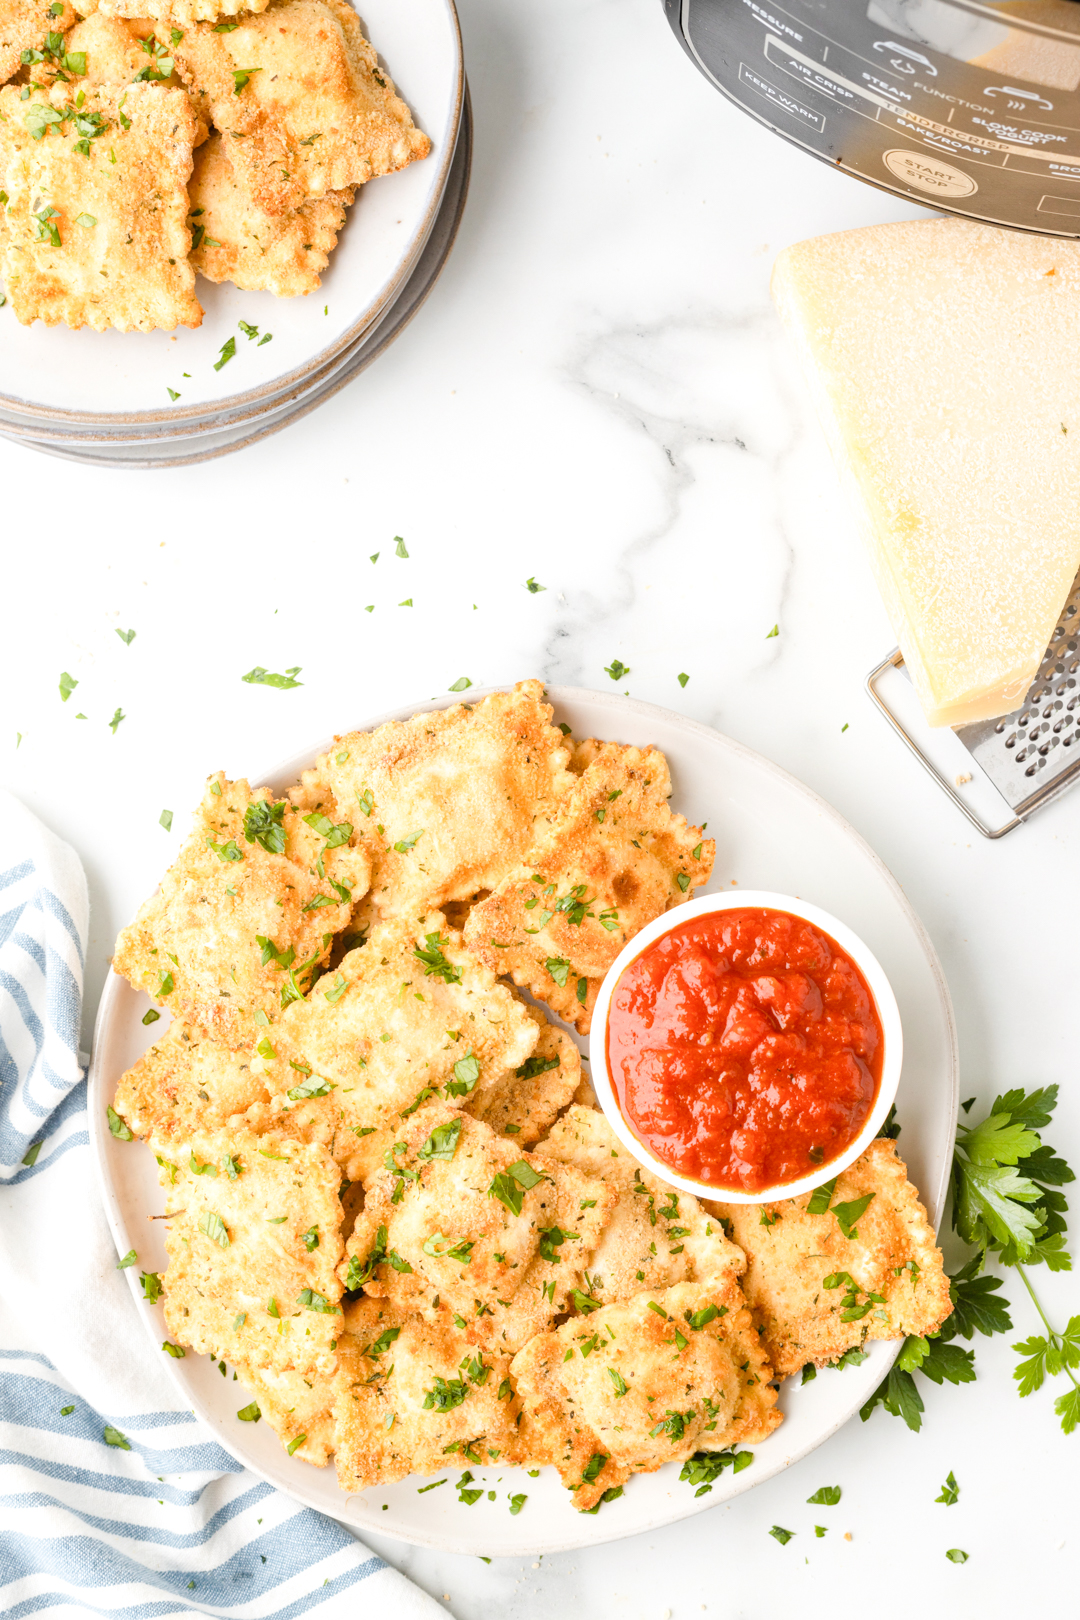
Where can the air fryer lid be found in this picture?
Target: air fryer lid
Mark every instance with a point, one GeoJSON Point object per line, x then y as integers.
{"type": "Point", "coordinates": [970, 108]}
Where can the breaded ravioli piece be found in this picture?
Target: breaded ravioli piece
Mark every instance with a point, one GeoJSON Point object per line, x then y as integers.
{"type": "Point", "coordinates": [173, 12]}
{"type": "Point", "coordinates": [299, 1409]}
{"type": "Point", "coordinates": [634, 1386]}
{"type": "Point", "coordinates": [96, 233]}
{"type": "Point", "coordinates": [408, 1016]}
{"type": "Point", "coordinates": [460, 793]}
{"type": "Point", "coordinates": [462, 1217]}
{"type": "Point", "coordinates": [815, 1292]}
{"type": "Point", "coordinates": [24, 26]}
{"type": "Point", "coordinates": [614, 858]}
{"type": "Point", "coordinates": [246, 913]}
{"type": "Point", "coordinates": [186, 1083]}
{"type": "Point", "coordinates": [298, 94]}
{"type": "Point", "coordinates": [656, 1236]}
{"type": "Point", "coordinates": [253, 1237]}
{"type": "Point", "coordinates": [524, 1102]}
{"type": "Point", "coordinates": [116, 52]}
{"type": "Point", "coordinates": [412, 1395]}
{"type": "Point", "coordinates": [234, 239]}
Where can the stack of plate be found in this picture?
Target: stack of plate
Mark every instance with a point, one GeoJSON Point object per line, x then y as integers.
{"type": "Point", "coordinates": [105, 398]}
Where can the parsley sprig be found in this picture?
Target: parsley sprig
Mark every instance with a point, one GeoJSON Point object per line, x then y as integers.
{"type": "Point", "coordinates": [1007, 1204]}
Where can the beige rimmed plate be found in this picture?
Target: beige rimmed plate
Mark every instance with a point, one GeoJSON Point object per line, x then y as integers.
{"type": "Point", "coordinates": [93, 447]}
{"type": "Point", "coordinates": [120, 380]}
{"type": "Point", "coordinates": [771, 833]}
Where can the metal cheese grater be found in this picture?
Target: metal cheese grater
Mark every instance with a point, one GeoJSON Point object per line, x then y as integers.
{"type": "Point", "coordinates": [1031, 755]}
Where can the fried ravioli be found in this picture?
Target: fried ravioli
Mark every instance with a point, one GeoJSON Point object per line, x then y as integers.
{"type": "Point", "coordinates": [412, 1393]}
{"type": "Point", "coordinates": [234, 239]}
{"type": "Point", "coordinates": [245, 914]}
{"type": "Point", "coordinates": [614, 858]}
{"type": "Point", "coordinates": [655, 1237]}
{"type": "Point", "coordinates": [299, 94]}
{"type": "Point", "coordinates": [24, 25]}
{"type": "Point", "coordinates": [117, 53]}
{"type": "Point", "coordinates": [186, 1083]}
{"type": "Point", "coordinates": [407, 1016]}
{"type": "Point", "coordinates": [500, 1238]}
{"type": "Point", "coordinates": [524, 1102]}
{"type": "Point", "coordinates": [96, 233]}
{"type": "Point", "coordinates": [637, 1385]}
{"type": "Point", "coordinates": [299, 1410]}
{"type": "Point", "coordinates": [816, 1293]}
{"type": "Point", "coordinates": [176, 11]}
{"type": "Point", "coordinates": [460, 793]}
{"type": "Point", "coordinates": [254, 1242]}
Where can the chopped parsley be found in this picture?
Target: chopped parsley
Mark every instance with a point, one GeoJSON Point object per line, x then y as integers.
{"type": "Point", "coordinates": [510, 1185]}
{"type": "Point", "coordinates": [264, 824]}
{"type": "Point", "coordinates": [264, 677]}
{"type": "Point", "coordinates": [616, 669]}
{"type": "Point", "coordinates": [462, 684]}
{"type": "Point", "coordinates": [214, 1227]}
{"type": "Point", "coordinates": [228, 350]}
{"type": "Point", "coordinates": [434, 959]}
{"type": "Point", "coordinates": [443, 1141]}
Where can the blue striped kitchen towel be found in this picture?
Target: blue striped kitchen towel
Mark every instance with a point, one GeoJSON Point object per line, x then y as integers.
{"type": "Point", "coordinates": [161, 1522]}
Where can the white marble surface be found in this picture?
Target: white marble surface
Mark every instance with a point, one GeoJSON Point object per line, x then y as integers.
{"type": "Point", "coordinates": [597, 395]}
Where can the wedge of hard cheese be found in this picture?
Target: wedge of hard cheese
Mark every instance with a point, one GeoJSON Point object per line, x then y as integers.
{"type": "Point", "coordinates": [945, 361]}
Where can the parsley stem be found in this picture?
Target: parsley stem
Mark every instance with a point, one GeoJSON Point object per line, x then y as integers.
{"type": "Point", "coordinates": [1055, 1338]}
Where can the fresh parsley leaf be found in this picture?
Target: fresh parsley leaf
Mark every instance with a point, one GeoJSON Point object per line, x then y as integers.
{"type": "Point", "coordinates": [435, 961]}
{"type": "Point", "coordinates": [950, 1491]}
{"type": "Point", "coordinates": [955, 1556]}
{"type": "Point", "coordinates": [250, 1414]}
{"type": "Point", "coordinates": [847, 1214]}
{"type": "Point", "coordinates": [443, 1141]}
{"type": "Point", "coordinates": [118, 1126]}
{"type": "Point", "coordinates": [462, 684]}
{"type": "Point", "coordinates": [827, 1496]}
{"type": "Point", "coordinates": [781, 1535]}
{"type": "Point", "coordinates": [113, 1437]}
{"type": "Point", "coordinates": [128, 1260]}
{"type": "Point", "coordinates": [510, 1185]}
{"type": "Point", "coordinates": [616, 669]}
{"type": "Point", "coordinates": [264, 677]}
{"type": "Point", "coordinates": [264, 824]}
{"type": "Point", "coordinates": [213, 1227]}
{"type": "Point", "coordinates": [559, 968]}
{"type": "Point", "coordinates": [68, 683]}
{"type": "Point", "coordinates": [821, 1197]}
{"type": "Point", "coordinates": [126, 636]}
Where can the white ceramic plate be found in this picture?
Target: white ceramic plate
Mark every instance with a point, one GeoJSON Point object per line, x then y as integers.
{"type": "Point", "coordinates": [114, 376]}
{"type": "Point", "coordinates": [771, 833]}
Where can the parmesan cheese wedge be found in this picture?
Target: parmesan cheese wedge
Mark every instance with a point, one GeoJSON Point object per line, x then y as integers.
{"type": "Point", "coordinates": [944, 358]}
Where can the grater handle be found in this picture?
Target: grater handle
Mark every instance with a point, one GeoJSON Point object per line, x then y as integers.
{"type": "Point", "coordinates": [894, 661]}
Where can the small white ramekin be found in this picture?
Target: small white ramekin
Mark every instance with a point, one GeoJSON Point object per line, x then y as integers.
{"type": "Point", "coordinates": [880, 989]}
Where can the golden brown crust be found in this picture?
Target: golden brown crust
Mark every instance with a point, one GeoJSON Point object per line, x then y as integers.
{"type": "Point", "coordinates": [381, 1034]}
{"type": "Point", "coordinates": [236, 240]}
{"type": "Point", "coordinates": [613, 859]}
{"type": "Point", "coordinates": [456, 1240]}
{"type": "Point", "coordinates": [655, 1236]}
{"type": "Point", "coordinates": [23, 26]}
{"type": "Point", "coordinates": [186, 1083]}
{"type": "Point", "coordinates": [314, 114]}
{"type": "Point", "coordinates": [463, 791]}
{"type": "Point", "coordinates": [195, 945]}
{"type": "Point", "coordinates": [414, 1396]}
{"type": "Point", "coordinates": [174, 11]}
{"type": "Point", "coordinates": [242, 1281]}
{"type": "Point", "coordinates": [296, 1407]}
{"type": "Point", "coordinates": [638, 1385]}
{"type": "Point", "coordinates": [113, 251]}
{"type": "Point", "coordinates": [892, 1255]}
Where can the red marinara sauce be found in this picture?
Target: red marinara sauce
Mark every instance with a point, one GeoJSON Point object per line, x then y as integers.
{"type": "Point", "coordinates": [745, 1048]}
